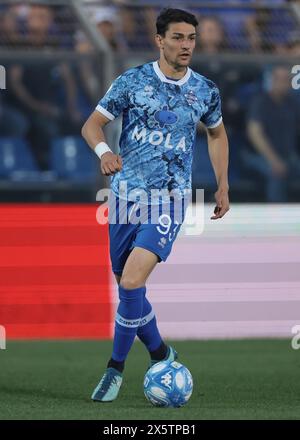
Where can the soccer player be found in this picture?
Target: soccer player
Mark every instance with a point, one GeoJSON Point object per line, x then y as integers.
{"type": "Point", "coordinates": [162, 103]}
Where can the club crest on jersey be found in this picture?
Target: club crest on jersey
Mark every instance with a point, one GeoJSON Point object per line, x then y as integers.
{"type": "Point", "coordinates": [191, 97]}
{"type": "Point", "coordinates": [165, 117]}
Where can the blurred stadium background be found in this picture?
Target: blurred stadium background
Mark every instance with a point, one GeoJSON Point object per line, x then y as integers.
{"type": "Point", "coordinates": [240, 278]}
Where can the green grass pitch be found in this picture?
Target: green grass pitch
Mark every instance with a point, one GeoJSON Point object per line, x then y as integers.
{"type": "Point", "coordinates": [248, 379]}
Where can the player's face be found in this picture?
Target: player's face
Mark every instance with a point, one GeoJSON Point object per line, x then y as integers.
{"type": "Point", "coordinates": [178, 44]}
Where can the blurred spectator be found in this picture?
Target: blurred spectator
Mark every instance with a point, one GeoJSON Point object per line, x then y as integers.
{"type": "Point", "coordinates": [273, 127]}
{"type": "Point", "coordinates": [10, 34]}
{"type": "Point", "coordinates": [87, 70]}
{"type": "Point", "coordinates": [138, 26]}
{"type": "Point", "coordinates": [22, 25]}
{"type": "Point", "coordinates": [12, 122]}
{"type": "Point", "coordinates": [270, 29]}
{"type": "Point", "coordinates": [45, 93]}
{"type": "Point", "coordinates": [40, 27]}
{"type": "Point", "coordinates": [86, 73]}
{"type": "Point", "coordinates": [294, 47]}
{"type": "Point", "coordinates": [237, 82]}
{"type": "Point", "coordinates": [107, 22]}
{"type": "Point", "coordinates": [93, 6]}
{"type": "Point", "coordinates": [257, 30]}
{"type": "Point", "coordinates": [211, 35]}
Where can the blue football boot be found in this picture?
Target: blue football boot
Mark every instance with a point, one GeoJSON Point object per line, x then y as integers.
{"type": "Point", "coordinates": [109, 386]}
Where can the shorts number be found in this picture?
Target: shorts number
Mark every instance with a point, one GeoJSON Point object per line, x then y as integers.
{"type": "Point", "coordinates": [163, 224]}
{"type": "Point", "coordinates": [172, 234]}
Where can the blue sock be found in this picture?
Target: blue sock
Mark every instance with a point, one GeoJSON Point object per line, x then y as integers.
{"type": "Point", "coordinates": [148, 332]}
{"type": "Point", "coordinates": [127, 321]}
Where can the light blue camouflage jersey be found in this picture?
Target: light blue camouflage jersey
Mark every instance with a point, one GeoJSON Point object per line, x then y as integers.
{"type": "Point", "coordinates": [160, 116]}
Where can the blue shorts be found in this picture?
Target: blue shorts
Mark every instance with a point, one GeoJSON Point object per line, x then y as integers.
{"type": "Point", "coordinates": [152, 227]}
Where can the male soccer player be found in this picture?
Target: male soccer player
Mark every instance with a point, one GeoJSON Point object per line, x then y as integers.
{"type": "Point", "coordinates": [161, 102]}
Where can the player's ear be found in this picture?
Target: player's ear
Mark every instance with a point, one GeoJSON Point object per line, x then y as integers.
{"type": "Point", "coordinates": [158, 41]}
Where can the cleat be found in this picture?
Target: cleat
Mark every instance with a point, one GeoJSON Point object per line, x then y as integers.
{"type": "Point", "coordinates": [171, 356]}
{"type": "Point", "coordinates": [109, 386]}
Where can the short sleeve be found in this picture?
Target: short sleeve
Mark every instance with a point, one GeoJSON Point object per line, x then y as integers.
{"type": "Point", "coordinates": [213, 117]}
{"type": "Point", "coordinates": [115, 100]}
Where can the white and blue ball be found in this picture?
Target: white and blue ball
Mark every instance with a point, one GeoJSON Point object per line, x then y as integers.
{"type": "Point", "coordinates": [168, 384]}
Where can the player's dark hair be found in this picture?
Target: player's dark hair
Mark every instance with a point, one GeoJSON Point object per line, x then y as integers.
{"type": "Point", "coordinates": [169, 15]}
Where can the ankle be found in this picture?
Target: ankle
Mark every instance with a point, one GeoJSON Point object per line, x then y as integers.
{"type": "Point", "coordinates": [160, 353]}
{"type": "Point", "coordinates": [119, 366]}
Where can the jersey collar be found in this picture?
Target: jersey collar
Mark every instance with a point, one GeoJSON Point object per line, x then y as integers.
{"type": "Point", "coordinates": [163, 78]}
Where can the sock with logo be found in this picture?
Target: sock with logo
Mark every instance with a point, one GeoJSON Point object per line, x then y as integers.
{"type": "Point", "coordinates": [127, 321]}
{"type": "Point", "coordinates": [149, 334]}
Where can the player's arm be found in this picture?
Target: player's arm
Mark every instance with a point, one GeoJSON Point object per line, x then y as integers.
{"type": "Point", "coordinates": [218, 153]}
{"type": "Point", "coordinates": [92, 132]}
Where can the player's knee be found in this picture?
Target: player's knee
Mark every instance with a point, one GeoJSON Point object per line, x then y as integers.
{"type": "Point", "coordinates": [131, 282]}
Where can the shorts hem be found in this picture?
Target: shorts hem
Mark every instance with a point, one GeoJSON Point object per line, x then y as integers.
{"type": "Point", "coordinates": [117, 272]}
{"type": "Point", "coordinates": [148, 248]}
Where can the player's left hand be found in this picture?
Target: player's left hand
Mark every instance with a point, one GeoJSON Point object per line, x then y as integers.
{"type": "Point", "coordinates": [222, 206]}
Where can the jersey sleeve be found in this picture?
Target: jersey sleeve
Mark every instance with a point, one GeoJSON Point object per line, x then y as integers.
{"type": "Point", "coordinates": [213, 117]}
{"type": "Point", "coordinates": [115, 100]}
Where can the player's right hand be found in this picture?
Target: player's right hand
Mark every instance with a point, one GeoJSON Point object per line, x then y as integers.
{"type": "Point", "coordinates": [110, 163]}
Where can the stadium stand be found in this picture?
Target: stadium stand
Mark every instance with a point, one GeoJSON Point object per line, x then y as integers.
{"type": "Point", "coordinates": [77, 48]}
{"type": "Point", "coordinates": [71, 159]}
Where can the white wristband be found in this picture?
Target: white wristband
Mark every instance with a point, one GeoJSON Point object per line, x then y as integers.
{"type": "Point", "coordinates": [101, 148]}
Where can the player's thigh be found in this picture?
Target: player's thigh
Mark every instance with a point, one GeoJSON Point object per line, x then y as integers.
{"type": "Point", "coordinates": [159, 237]}
{"type": "Point", "coordinates": [121, 238]}
{"type": "Point", "coordinates": [138, 267]}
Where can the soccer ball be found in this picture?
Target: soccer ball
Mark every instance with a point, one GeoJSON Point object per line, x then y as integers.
{"type": "Point", "coordinates": [168, 384]}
